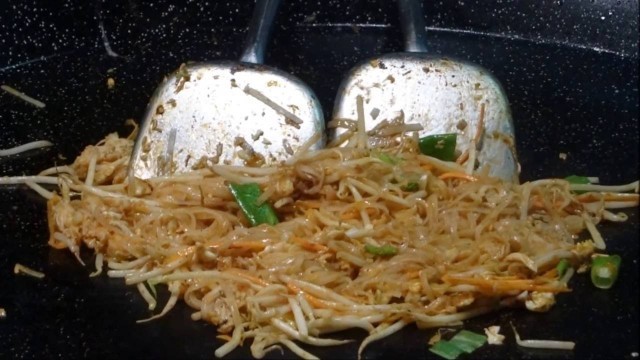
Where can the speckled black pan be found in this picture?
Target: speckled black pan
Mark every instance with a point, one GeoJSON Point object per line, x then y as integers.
{"type": "Point", "coordinates": [569, 68]}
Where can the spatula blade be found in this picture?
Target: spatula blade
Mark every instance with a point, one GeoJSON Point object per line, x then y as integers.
{"type": "Point", "coordinates": [202, 114]}
{"type": "Point", "coordinates": [443, 95]}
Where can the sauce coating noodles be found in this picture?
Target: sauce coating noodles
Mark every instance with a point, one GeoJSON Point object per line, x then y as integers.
{"type": "Point", "coordinates": [457, 244]}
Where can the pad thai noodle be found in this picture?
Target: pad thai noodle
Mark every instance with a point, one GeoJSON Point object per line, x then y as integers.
{"type": "Point", "coordinates": [367, 233]}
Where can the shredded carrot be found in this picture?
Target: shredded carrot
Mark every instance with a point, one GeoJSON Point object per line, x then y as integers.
{"type": "Point", "coordinates": [457, 175]}
{"type": "Point", "coordinates": [308, 245]}
{"type": "Point", "coordinates": [294, 289]}
{"type": "Point", "coordinates": [354, 213]}
{"type": "Point", "coordinates": [501, 285]}
{"type": "Point", "coordinates": [509, 277]}
{"type": "Point", "coordinates": [426, 167]}
{"type": "Point", "coordinates": [250, 245]}
{"type": "Point", "coordinates": [224, 337]}
{"type": "Point", "coordinates": [591, 197]}
{"type": "Point", "coordinates": [179, 254]}
{"type": "Point", "coordinates": [463, 157]}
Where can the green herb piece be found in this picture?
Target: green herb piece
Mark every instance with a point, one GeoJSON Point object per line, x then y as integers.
{"type": "Point", "coordinates": [468, 341]}
{"type": "Point", "coordinates": [409, 180]}
{"type": "Point", "coordinates": [384, 250]}
{"type": "Point", "coordinates": [411, 186]}
{"type": "Point", "coordinates": [562, 267]}
{"type": "Point", "coordinates": [575, 179]}
{"type": "Point", "coordinates": [442, 146]}
{"type": "Point", "coordinates": [578, 180]}
{"type": "Point", "coordinates": [246, 196]}
{"type": "Point", "coordinates": [604, 271]}
{"type": "Point", "coordinates": [446, 350]}
{"type": "Point", "coordinates": [387, 158]}
{"type": "Point", "coordinates": [464, 341]}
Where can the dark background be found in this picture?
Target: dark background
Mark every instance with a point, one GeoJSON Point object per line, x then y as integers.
{"type": "Point", "coordinates": [568, 67]}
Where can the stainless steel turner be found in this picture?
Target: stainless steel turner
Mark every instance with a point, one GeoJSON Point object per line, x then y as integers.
{"type": "Point", "coordinates": [226, 112]}
{"type": "Point", "coordinates": [442, 94]}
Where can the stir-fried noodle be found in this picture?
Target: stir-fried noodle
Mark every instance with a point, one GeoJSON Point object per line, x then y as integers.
{"type": "Point", "coordinates": [462, 244]}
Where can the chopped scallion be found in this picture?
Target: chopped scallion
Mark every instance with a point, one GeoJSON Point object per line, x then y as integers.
{"type": "Point", "coordinates": [247, 197]}
{"type": "Point", "coordinates": [384, 250]}
{"type": "Point", "coordinates": [576, 179]}
{"type": "Point", "coordinates": [446, 350]}
{"type": "Point", "coordinates": [464, 341]}
{"type": "Point", "coordinates": [442, 146]}
{"type": "Point", "coordinates": [604, 270]}
{"type": "Point", "coordinates": [468, 341]}
{"type": "Point", "coordinates": [411, 186]}
{"type": "Point", "coordinates": [562, 267]}
{"type": "Point", "coordinates": [387, 158]}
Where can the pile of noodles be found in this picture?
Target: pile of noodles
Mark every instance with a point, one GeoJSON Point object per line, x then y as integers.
{"type": "Point", "coordinates": [467, 244]}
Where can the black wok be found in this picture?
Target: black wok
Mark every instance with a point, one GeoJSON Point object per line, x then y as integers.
{"type": "Point", "coordinates": [569, 68]}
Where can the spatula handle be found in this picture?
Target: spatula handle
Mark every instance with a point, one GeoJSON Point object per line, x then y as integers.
{"type": "Point", "coordinates": [258, 31]}
{"type": "Point", "coordinates": [413, 25]}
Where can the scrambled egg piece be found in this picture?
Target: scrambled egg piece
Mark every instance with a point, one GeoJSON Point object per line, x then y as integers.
{"type": "Point", "coordinates": [112, 154]}
{"type": "Point", "coordinates": [584, 249]}
{"type": "Point", "coordinates": [493, 335]}
{"type": "Point", "coordinates": [540, 301]}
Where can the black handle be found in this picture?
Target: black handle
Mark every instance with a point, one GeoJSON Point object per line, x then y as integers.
{"type": "Point", "coordinates": [262, 20]}
{"type": "Point", "coordinates": [413, 25]}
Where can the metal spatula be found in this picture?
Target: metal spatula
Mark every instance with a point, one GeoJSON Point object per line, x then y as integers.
{"type": "Point", "coordinates": [227, 112]}
{"type": "Point", "coordinates": [442, 94]}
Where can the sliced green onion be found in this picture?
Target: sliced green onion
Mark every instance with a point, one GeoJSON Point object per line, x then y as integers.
{"type": "Point", "coordinates": [442, 146]}
{"type": "Point", "coordinates": [604, 270]}
{"type": "Point", "coordinates": [409, 180]}
{"type": "Point", "coordinates": [562, 267]}
{"type": "Point", "coordinates": [446, 350]}
{"type": "Point", "coordinates": [464, 341]}
{"type": "Point", "coordinates": [468, 341]}
{"type": "Point", "coordinates": [384, 250]}
{"type": "Point", "coordinates": [387, 158]}
{"type": "Point", "coordinates": [578, 180]}
{"type": "Point", "coordinates": [246, 196]}
{"type": "Point", "coordinates": [575, 179]}
{"type": "Point", "coordinates": [411, 186]}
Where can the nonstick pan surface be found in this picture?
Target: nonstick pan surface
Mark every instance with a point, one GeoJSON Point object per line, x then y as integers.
{"type": "Point", "coordinates": [571, 91]}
